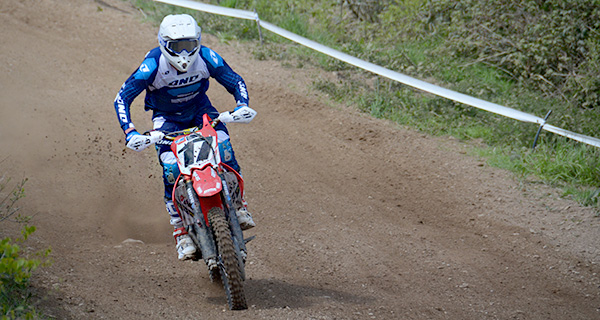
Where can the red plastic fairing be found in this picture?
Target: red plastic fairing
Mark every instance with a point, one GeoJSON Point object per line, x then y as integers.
{"type": "Point", "coordinates": [207, 128]}
{"type": "Point", "coordinates": [206, 182]}
{"type": "Point", "coordinates": [176, 201]}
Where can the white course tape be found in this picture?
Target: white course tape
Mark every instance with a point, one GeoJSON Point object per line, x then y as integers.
{"type": "Point", "coordinates": [236, 13]}
{"type": "Point", "coordinates": [572, 135]}
{"type": "Point", "coordinates": [418, 84]}
{"type": "Point", "coordinates": [421, 85]}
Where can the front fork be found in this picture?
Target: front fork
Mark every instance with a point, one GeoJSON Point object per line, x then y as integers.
{"type": "Point", "coordinates": [238, 237]}
{"type": "Point", "coordinates": [204, 239]}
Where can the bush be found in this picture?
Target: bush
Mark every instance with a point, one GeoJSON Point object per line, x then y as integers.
{"type": "Point", "coordinates": [551, 45]}
{"type": "Point", "coordinates": [16, 270]}
{"type": "Point", "coordinates": [7, 202]}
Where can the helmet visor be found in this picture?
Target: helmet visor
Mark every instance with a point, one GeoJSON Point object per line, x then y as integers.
{"type": "Point", "coordinates": [179, 46]}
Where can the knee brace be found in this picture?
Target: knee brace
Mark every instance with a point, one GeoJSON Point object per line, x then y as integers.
{"type": "Point", "coordinates": [227, 155]}
{"type": "Point", "coordinates": [170, 172]}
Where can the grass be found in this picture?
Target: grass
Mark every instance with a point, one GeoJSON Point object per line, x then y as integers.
{"type": "Point", "coordinates": [557, 161]}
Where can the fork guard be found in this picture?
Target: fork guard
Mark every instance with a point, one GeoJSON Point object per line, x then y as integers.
{"type": "Point", "coordinates": [203, 236]}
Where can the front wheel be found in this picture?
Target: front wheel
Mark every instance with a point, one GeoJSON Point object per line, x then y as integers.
{"type": "Point", "coordinates": [230, 270]}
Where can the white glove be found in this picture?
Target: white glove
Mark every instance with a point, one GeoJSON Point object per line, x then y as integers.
{"type": "Point", "coordinates": [139, 142]}
{"type": "Point", "coordinates": [242, 114]}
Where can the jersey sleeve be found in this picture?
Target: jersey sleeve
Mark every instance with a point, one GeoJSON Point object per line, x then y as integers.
{"type": "Point", "coordinates": [139, 81]}
{"type": "Point", "coordinates": [222, 72]}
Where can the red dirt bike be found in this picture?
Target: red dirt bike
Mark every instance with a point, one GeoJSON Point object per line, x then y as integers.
{"type": "Point", "coordinates": [205, 196]}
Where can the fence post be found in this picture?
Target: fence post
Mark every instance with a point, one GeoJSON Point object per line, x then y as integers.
{"type": "Point", "coordinates": [537, 135]}
{"type": "Point", "coordinates": [258, 25]}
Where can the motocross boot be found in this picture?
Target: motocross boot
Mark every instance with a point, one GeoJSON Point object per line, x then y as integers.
{"type": "Point", "coordinates": [173, 214]}
{"type": "Point", "coordinates": [240, 205]}
{"type": "Point", "coordinates": [244, 216]}
{"type": "Point", "coordinates": [185, 247]}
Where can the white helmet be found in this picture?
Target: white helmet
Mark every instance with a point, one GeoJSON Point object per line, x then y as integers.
{"type": "Point", "coordinates": [179, 40]}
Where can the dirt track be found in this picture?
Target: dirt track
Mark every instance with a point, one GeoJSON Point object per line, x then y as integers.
{"type": "Point", "coordinates": [357, 219]}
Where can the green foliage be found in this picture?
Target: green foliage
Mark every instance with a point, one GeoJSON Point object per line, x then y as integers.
{"type": "Point", "coordinates": [548, 45]}
{"type": "Point", "coordinates": [15, 268]}
{"type": "Point", "coordinates": [7, 202]}
{"type": "Point", "coordinates": [15, 273]}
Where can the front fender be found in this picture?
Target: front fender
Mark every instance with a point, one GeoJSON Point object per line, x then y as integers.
{"type": "Point", "coordinates": [206, 182]}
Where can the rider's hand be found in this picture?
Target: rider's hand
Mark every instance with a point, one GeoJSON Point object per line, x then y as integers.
{"type": "Point", "coordinates": [239, 106]}
{"type": "Point", "coordinates": [136, 141]}
{"type": "Point", "coordinates": [241, 114]}
{"type": "Point", "coordinates": [130, 134]}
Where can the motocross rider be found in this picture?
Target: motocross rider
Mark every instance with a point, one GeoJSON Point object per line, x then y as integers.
{"type": "Point", "coordinates": [175, 76]}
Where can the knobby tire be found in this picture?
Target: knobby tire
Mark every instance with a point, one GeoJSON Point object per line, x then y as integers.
{"type": "Point", "coordinates": [230, 275]}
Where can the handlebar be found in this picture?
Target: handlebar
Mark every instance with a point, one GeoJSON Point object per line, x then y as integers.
{"type": "Point", "coordinates": [174, 134]}
{"type": "Point", "coordinates": [243, 114]}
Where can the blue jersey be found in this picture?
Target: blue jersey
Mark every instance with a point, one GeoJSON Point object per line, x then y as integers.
{"type": "Point", "coordinates": [177, 96]}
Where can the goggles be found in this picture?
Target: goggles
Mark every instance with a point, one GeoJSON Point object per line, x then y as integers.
{"type": "Point", "coordinates": [178, 46]}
